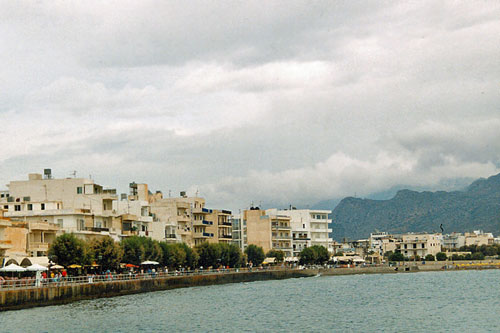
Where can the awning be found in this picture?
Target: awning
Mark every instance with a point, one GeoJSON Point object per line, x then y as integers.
{"type": "Point", "coordinates": [36, 267]}
{"type": "Point", "coordinates": [74, 266]}
{"type": "Point", "coordinates": [269, 260]}
{"type": "Point", "coordinates": [291, 259]}
{"type": "Point", "coordinates": [12, 268]}
{"type": "Point", "coordinates": [149, 262]}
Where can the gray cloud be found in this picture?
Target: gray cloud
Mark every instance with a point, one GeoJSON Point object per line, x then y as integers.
{"type": "Point", "coordinates": [291, 102]}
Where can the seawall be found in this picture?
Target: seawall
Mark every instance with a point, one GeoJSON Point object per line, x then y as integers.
{"type": "Point", "coordinates": [50, 295]}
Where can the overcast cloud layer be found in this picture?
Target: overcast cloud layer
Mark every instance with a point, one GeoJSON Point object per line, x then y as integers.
{"type": "Point", "coordinates": [287, 102]}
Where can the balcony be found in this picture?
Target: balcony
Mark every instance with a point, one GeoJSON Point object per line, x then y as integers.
{"type": "Point", "coordinates": [322, 230]}
{"type": "Point", "coordinates": [226, 236]}
{"type": "Point", "coordinates": [226, 223]}
{"type": "Point", "coordinates": [199, 210]}
{"type": "Point", "coordinates": [203, 222]}
{"type": "Point", "coordinates": [5, 244]}
{"type": "Point", "coordinates": [94, 229]}
{"type": "Point", "coordinates": [282, 237]}
{"type": "Point", "coordinates": [38, 246]}
{"type": "Point", "coordinates": [5, 223]}
{"type": "Point", "coordinates": [43, 226]}
{"type": "Point", "coordinates": [170, 236]}
{"type": "Point", "coordinates": [281, 227]}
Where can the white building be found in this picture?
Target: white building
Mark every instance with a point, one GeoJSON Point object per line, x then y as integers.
{"type": "Point", "coordinates": [420, 244]}
{"type": "Point", "coordinates": [76, 205]}
{"type": "Point", "coordinates": [309, 227]}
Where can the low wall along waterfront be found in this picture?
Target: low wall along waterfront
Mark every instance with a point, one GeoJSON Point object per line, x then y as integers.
{"type": "Point", "coordinates": [11, 299]}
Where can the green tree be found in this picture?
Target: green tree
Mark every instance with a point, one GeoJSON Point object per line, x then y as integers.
{"type": "Point", "coordinates": [191, 256]}
{"type": "Point", "coordinates": [478, 256]}
{"type": "Point", "coordinates": [396, 256]}
{"type": "Point", "coordinates": [307, 256]}
{"type": "Point", "coordinates": [133, 250]}
{"type": "Point", "coordinates": [209, 254]}
{"type": "Point", "coordinates": [174, 255]}
{"type": "Point", "coordinates": [67, 250]}
{"type": "Point", "coordinates": [255, 254]}
{"type": "Point", "coordinates": [152, 249]}
{"type": "Point", "coordinates": [231, 255]}
{"type": "Point", "coordinates": [322, 255]}
{"type": "Point", "coordinates": [430, 257]}
{"type": "Point", "coordinates": [107, 253]}
{"type": "Point", "coordinates": [278, 254]}
{"type": "Point", "coordinates": [441, 256]}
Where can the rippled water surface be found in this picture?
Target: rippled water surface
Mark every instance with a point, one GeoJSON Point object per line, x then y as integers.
{"type": "Point", "coordinates": [465, 301]}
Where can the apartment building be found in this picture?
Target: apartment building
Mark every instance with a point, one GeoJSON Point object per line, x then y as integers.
{"type": "Point", "coordinates": [453, 241]}
{"type": "Point", "coordinates": [412, 245]}
{"type": "Point", "coordinates": [269, 230]}
{"type": "Point", "coordinates": [382, 242]}
{"type": "Point", "coordinates": [5, 242]}
{"type": "Point", "coordinates": [309, 227]}
{"type": "Point", "coordinates": [76, 205]}
{"type": "Point", "coordinates": [478, 237]}
{"type": "Point", "coordinates": [134, 216]}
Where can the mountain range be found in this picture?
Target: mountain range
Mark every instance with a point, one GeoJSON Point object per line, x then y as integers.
{"type": "Point", "coordinates": [476, 207]}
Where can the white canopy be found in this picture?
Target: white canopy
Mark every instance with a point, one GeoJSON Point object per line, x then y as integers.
{"type": "Point", "coordinates": [36, 267]}
{"type": "Point", "coordinates": [149, 262]}
{"type": "Point", "coordinates": [12, 268]}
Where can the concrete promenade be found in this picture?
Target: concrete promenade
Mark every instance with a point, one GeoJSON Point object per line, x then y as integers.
{"type": "Point", "coordinates": [19, 298]}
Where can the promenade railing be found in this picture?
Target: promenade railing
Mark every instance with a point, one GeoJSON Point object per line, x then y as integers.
{"type": "Point", "coordinates": [32, 282]}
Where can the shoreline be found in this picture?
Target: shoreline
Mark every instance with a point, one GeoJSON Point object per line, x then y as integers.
{"type": "Point", "coordinates": [23, 298]}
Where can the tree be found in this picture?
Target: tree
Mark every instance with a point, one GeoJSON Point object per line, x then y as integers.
{"type": "Point", "coordinates": [255, 254]}
{"type": "Point", "coordinates": [278, 254]}
{"type": "Point", "coordinates": [478, 256]}
{"type": "Point", "coordinates": [307, 256]}
{"type": "Point", "coordinates": [191, 256]}
{"type": "Point", "coordinates": [209, 254]}
{"type": "Point", "coordinates": [396, 256]}
{"type": "Point", "coordinates": [106, 252]}
{"type": "Point", "coordinates": [67, 250]}
{"type": "Point", "coordinates": [441, 256]}
{"type": "Point", "coordinates": [133, 250]}
{"type": "Point", "coordinates": [230, 255]}
{"type": "Point", "coordinates": [430, 257]}
{"type": "Point", "coordinates": [174, 255]}
{"type": "Point", "coordinates": [322, 255]}
{"type": "Point", "coordinates": [152, 249]}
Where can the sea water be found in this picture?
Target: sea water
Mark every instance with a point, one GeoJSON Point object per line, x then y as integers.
{"type": "Point", "coordinates": [454, 301]}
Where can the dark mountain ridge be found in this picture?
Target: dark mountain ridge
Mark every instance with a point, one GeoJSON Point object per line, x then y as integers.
{"type": "Point", "coordinates": [477, 207]}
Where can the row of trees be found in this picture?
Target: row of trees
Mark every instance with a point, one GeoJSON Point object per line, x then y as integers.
{"type": "Point", "coordinates": [440, 256]}
{"type": "Point", "coordinates": [108, 254]}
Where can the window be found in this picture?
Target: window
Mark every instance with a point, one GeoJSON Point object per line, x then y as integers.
{"type": "Point", "coordinates": [42, 206]}
{"type": "Point", "coordinates": [79, 190]}
{"type": "Point", "coordinates": [17, 208]}
{"type": "Point", "coordinates": [6, 207]}
{"type": "Point", "coordinates": [30, 206]}
{"type": "Point", "coordinates": [60, 222]}
{"type": "Point", "coordinates": [81, 224]}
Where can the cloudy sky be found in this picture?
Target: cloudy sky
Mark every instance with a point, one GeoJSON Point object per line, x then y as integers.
{"type": "Point", "coordinates": [275, 102]}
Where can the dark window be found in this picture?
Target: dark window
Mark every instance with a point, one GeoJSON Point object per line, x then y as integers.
{"type": "Point", "coordinates": [42, 206]}
{"type": "Point", "coordinates": [17, 208]}
{"type": "Point", "coordinates": [30, 206]}
{"type": "Point", "coordinates": [79, 190]}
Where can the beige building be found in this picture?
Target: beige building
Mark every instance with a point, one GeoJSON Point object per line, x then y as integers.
{"type": "Point", "coordinates": [5, 242]}
{"type": "Point", "coordinates": [478, 237]}
{"type": "Point", "coordinates": [269, 230]}
{"type": "Point", "coordinates": [420, 244]}
{"type": "Point", "coordinates": [76, 205]}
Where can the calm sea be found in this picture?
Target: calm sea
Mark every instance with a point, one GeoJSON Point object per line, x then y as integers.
{"type": "Point", "coordinates": [464, 301]}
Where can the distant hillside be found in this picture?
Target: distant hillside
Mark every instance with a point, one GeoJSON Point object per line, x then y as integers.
{"type": "Point", "coordinates": [477, 207]}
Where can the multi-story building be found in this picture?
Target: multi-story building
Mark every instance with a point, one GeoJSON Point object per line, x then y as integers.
{"type": "Point", "coordinates": [309, 227]}
{"type": "Point", "coordinates": [134, 212]}
{"type": "Point", "coordinates": [269, 230]}
{"type": "Point", "coordinates": [76, 205]}
{"type": "Point", "coordinates": [453, 241]}
{"type": "Point", "coordinates": [381, 242]}
{"type": "Point", "coordinates": [478, 237]}
{"type": "Point", "coordinates": [5, 243]}
{"type": "Point", "coordinates": [239, 231]}
{"type": "Point", "coordinates": [420, 245]}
